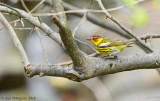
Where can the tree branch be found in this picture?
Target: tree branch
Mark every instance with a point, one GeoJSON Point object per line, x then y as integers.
{"type": "Point", "coordinates": [34, 21]}
{"type": "Point", "coordinates": [93, 19]}
{"type": "Point", "coordinates": [99, 67]}
{"type": "Point", "coordinates": [145, 37]}
{"type": "Point", "coordinates": [15, 39]}
{"type": "Point", "coordinates": [96, 21]}
{"type": "Point", "coordinates": [50, 70]}
{"type": "Point", "coordinates": [66, 35]}
{"type": "Point", "coordinates": [40, 3]}
{"type": "Point", "coordinates": [24, 5]}
{"type": "Point", "coordinates": [42, 44]}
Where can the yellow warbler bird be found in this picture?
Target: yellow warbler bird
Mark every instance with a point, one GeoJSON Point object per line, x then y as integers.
{"type": "Point", "coordinates": [108, 46]}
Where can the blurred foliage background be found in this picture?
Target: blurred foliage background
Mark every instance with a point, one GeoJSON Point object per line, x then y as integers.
{"type": "Point", "coordinates": [139, 85]}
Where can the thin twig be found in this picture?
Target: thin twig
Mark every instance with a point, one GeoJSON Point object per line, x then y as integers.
{"type": "Point", "coordinates": [22, 28]}
{"type": "Point", "coordinates": [123, 27]}
{"type": "Point", "coordinates": [24, 5]}
{"type": "Point", "coordinates": [41, 41]}
{"type": "Point", "coordinates": [32, 29]}
{"type": "Point", "coordinates": [145, 37]}
{"type": "Point", "coordinates": [33, 20]}
{"type": "Point", "coordinates": [86, 44]}
{"type": "Point", "coordinates": [32, 0]}
{"type": "Point", "coordinates": [39, 35]}
{"type": "Point", "coordinates": [92, 18]}
{"type": "Point", "coordinates": [69, 11]}
{"type": "Point", "coordinates": [2, 4]}
{"type": "Point", "coordinates": [14, 21]}
{"type": "Point", "coordinates": [84, 10]}
{"type": "Point", "coordinates": [79, 24]}
{"type": "Point", "coordinates": [84, 18]}
{"type": "Point", "coordinates": [15, 39]}
{"type": "Point", "coordinates": [37, 30]}
{"type": "Point", "coordinates": [37, 6]}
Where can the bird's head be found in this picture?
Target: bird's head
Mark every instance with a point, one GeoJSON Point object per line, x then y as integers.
{"type": "Point", "coordinates": [95, 39]}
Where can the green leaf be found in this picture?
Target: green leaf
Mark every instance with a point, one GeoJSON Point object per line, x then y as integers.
{"type": "Point", "coordinates": [139, 17]}
{"type": "Point", "coordinates": [129, 2]}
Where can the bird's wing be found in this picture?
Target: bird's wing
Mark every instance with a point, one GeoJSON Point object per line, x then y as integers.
{"type": "Point", "coordinates": [116, 43]}
{"type": "Point", "coordinates": [110, 43]}
{"type": "Point", "coordinates": [105, 42]}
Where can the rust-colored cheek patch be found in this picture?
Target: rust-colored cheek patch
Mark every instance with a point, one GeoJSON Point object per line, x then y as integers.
{"type": "Point", "coordinates": [96, 40]}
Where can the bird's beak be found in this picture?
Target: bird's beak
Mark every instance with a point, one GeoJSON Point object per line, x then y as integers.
{"type": "Point", "coordinates": [88, 39]}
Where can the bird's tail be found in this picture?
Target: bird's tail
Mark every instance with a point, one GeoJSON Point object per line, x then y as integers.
{"type": "Point", "coordinates": [128, 44]}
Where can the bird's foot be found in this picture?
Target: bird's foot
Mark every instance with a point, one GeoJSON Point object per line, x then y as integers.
{"type": "Point", "coordinates": [109, 57]}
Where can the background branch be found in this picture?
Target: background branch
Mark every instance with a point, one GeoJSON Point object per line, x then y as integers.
{"type": "Point", "coordinates": [34, 20]}
{"type": "Point", "coordinates": [37, 23]}
{"type": "Point", "coordinates": [82, 10]}
{"type": "Point", "coordinates": [147, 36]}
{"type": "Point", "coordinates": [24, 5]}
{"type": "Point", "coordinates": [96, 21]}
{"type": "Point", "coordinates": [93, 19]}
{"type": "Point", "coordinates": [15, 39]}
{"type": "Point", "coordinates": [40, 3]}
{"type": "Point", "coordinates": [77, 27]}
{"type": "Point", "coordinates": [42, 44]}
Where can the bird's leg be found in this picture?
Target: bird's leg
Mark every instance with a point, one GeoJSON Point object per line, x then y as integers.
{"type": "Point", "coordinates": [115, 56]}
{"type": "Point", "coordinates": [109, 57]}
{"type": "Point", "coordinates": [104, 56]}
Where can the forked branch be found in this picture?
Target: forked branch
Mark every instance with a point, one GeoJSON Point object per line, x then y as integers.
{"type": "Point", "coordinates": [66, 35]}
{"type": "Point", "coordinates": [83, 67]}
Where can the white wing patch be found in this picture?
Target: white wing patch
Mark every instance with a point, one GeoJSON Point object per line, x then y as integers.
{"type": "Point", "coordinates": [104, 44]}
{"type": "Point", "coordinates": [114, 52]}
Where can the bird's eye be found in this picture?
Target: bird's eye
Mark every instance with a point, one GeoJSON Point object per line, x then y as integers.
{"type": "Point", "coordinates": [94, 38]}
